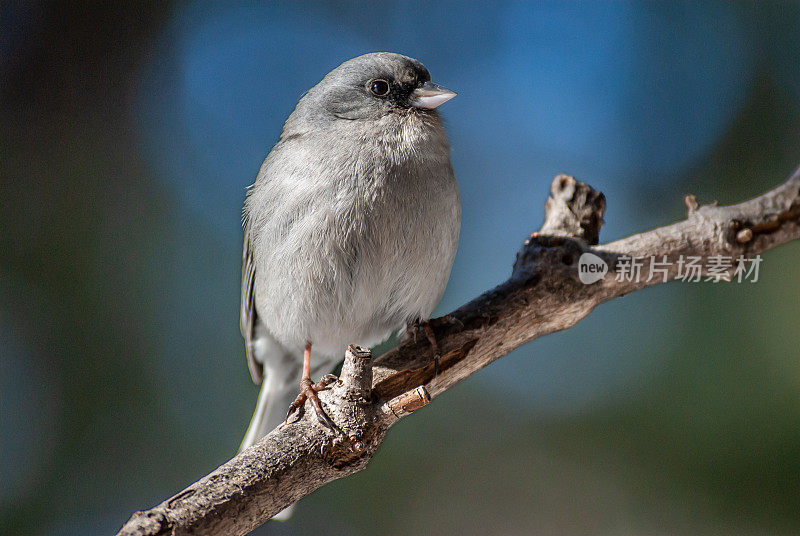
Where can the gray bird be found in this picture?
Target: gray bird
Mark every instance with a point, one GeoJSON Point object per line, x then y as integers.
{"type": "Point", "coordinates": [350, 228]}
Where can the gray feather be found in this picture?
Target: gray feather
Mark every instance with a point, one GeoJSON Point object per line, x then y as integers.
{"type": "Point", "coordinates": [248, 318]}
{"type": "Point", "coordinates": [351, 226]}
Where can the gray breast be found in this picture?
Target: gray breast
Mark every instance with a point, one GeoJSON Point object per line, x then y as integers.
{"type": "Point", "coordinates": [349, 246]}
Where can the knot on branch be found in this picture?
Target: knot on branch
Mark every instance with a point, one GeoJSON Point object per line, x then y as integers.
{"type": "Point", "coordinates": [351, 407]}
{"type": "Point", "coordinates": [743, 232]}
{"type": "Point", "coordinates": [356, 375]}
{"type": "Point", "coordinates": [574, 209]}
{"type": "Point", "coordinates": [409, 402]}
{"type": "Point", "coordinates": [572, 221]}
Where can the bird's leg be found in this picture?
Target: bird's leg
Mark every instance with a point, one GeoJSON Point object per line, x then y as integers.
{"type": "Point", "coordinates": [309, 390]}
{"type": "Point", "coordinates": [437, 352]}
{"type": "Point", "coordinates": [425, 326]}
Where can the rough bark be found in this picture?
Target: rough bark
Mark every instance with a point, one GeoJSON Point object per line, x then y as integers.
{"type": "Point", "coordinates": [543, 295]}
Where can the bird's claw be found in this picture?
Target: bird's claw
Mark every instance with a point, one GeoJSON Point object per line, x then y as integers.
{"type": "Point", "coordinates": [308, 391]}
{"type": "Point", "coordinates": [325, 381]}
{"type": "Point", "coordinates": [425, 326]}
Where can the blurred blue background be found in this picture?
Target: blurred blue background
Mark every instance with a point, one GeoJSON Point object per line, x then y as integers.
{"type": "Point", "coordinates": [130, 132]}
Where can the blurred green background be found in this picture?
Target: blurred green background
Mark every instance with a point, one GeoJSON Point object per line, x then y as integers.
{"type": "Point", "coordinates": [129, 132]}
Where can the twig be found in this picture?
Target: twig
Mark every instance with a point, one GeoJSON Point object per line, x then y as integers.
{"type": "Point", "coordinates": [543, 295]}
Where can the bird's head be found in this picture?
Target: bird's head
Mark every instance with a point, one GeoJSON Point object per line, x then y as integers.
{"type": "Point", "coordinates": [373, 86]}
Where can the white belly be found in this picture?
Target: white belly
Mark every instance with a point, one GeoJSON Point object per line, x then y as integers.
{"type": "Point", "coordinates": [351, 257]}
{"type": "Point", "coordinates": [334, 289]}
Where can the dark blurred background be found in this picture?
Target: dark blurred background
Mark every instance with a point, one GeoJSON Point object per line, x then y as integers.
{"type": "Point", "coordinates": [129, 131]}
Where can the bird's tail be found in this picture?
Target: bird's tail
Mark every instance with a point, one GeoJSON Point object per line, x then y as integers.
{"type": "Point", "coordinates": [282, 371]}
{"type": "Point", "coordinates": [278, 390]}
{"type": "Point", "coordinates": [281, 368]}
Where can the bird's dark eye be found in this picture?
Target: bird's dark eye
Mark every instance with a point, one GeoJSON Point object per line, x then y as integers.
{"type": "Point", "coordinates": [379, 87]}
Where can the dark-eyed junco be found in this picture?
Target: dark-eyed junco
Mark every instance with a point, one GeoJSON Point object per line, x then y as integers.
{"type": "Point", "coordinates": [350, 228]}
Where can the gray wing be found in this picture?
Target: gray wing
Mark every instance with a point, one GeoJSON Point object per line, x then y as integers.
{"type": "Point", "coordinates": [248, 318]}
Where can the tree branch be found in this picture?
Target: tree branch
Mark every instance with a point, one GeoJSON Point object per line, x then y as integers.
{"type": "Point", "coordinates": [543, 295]}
